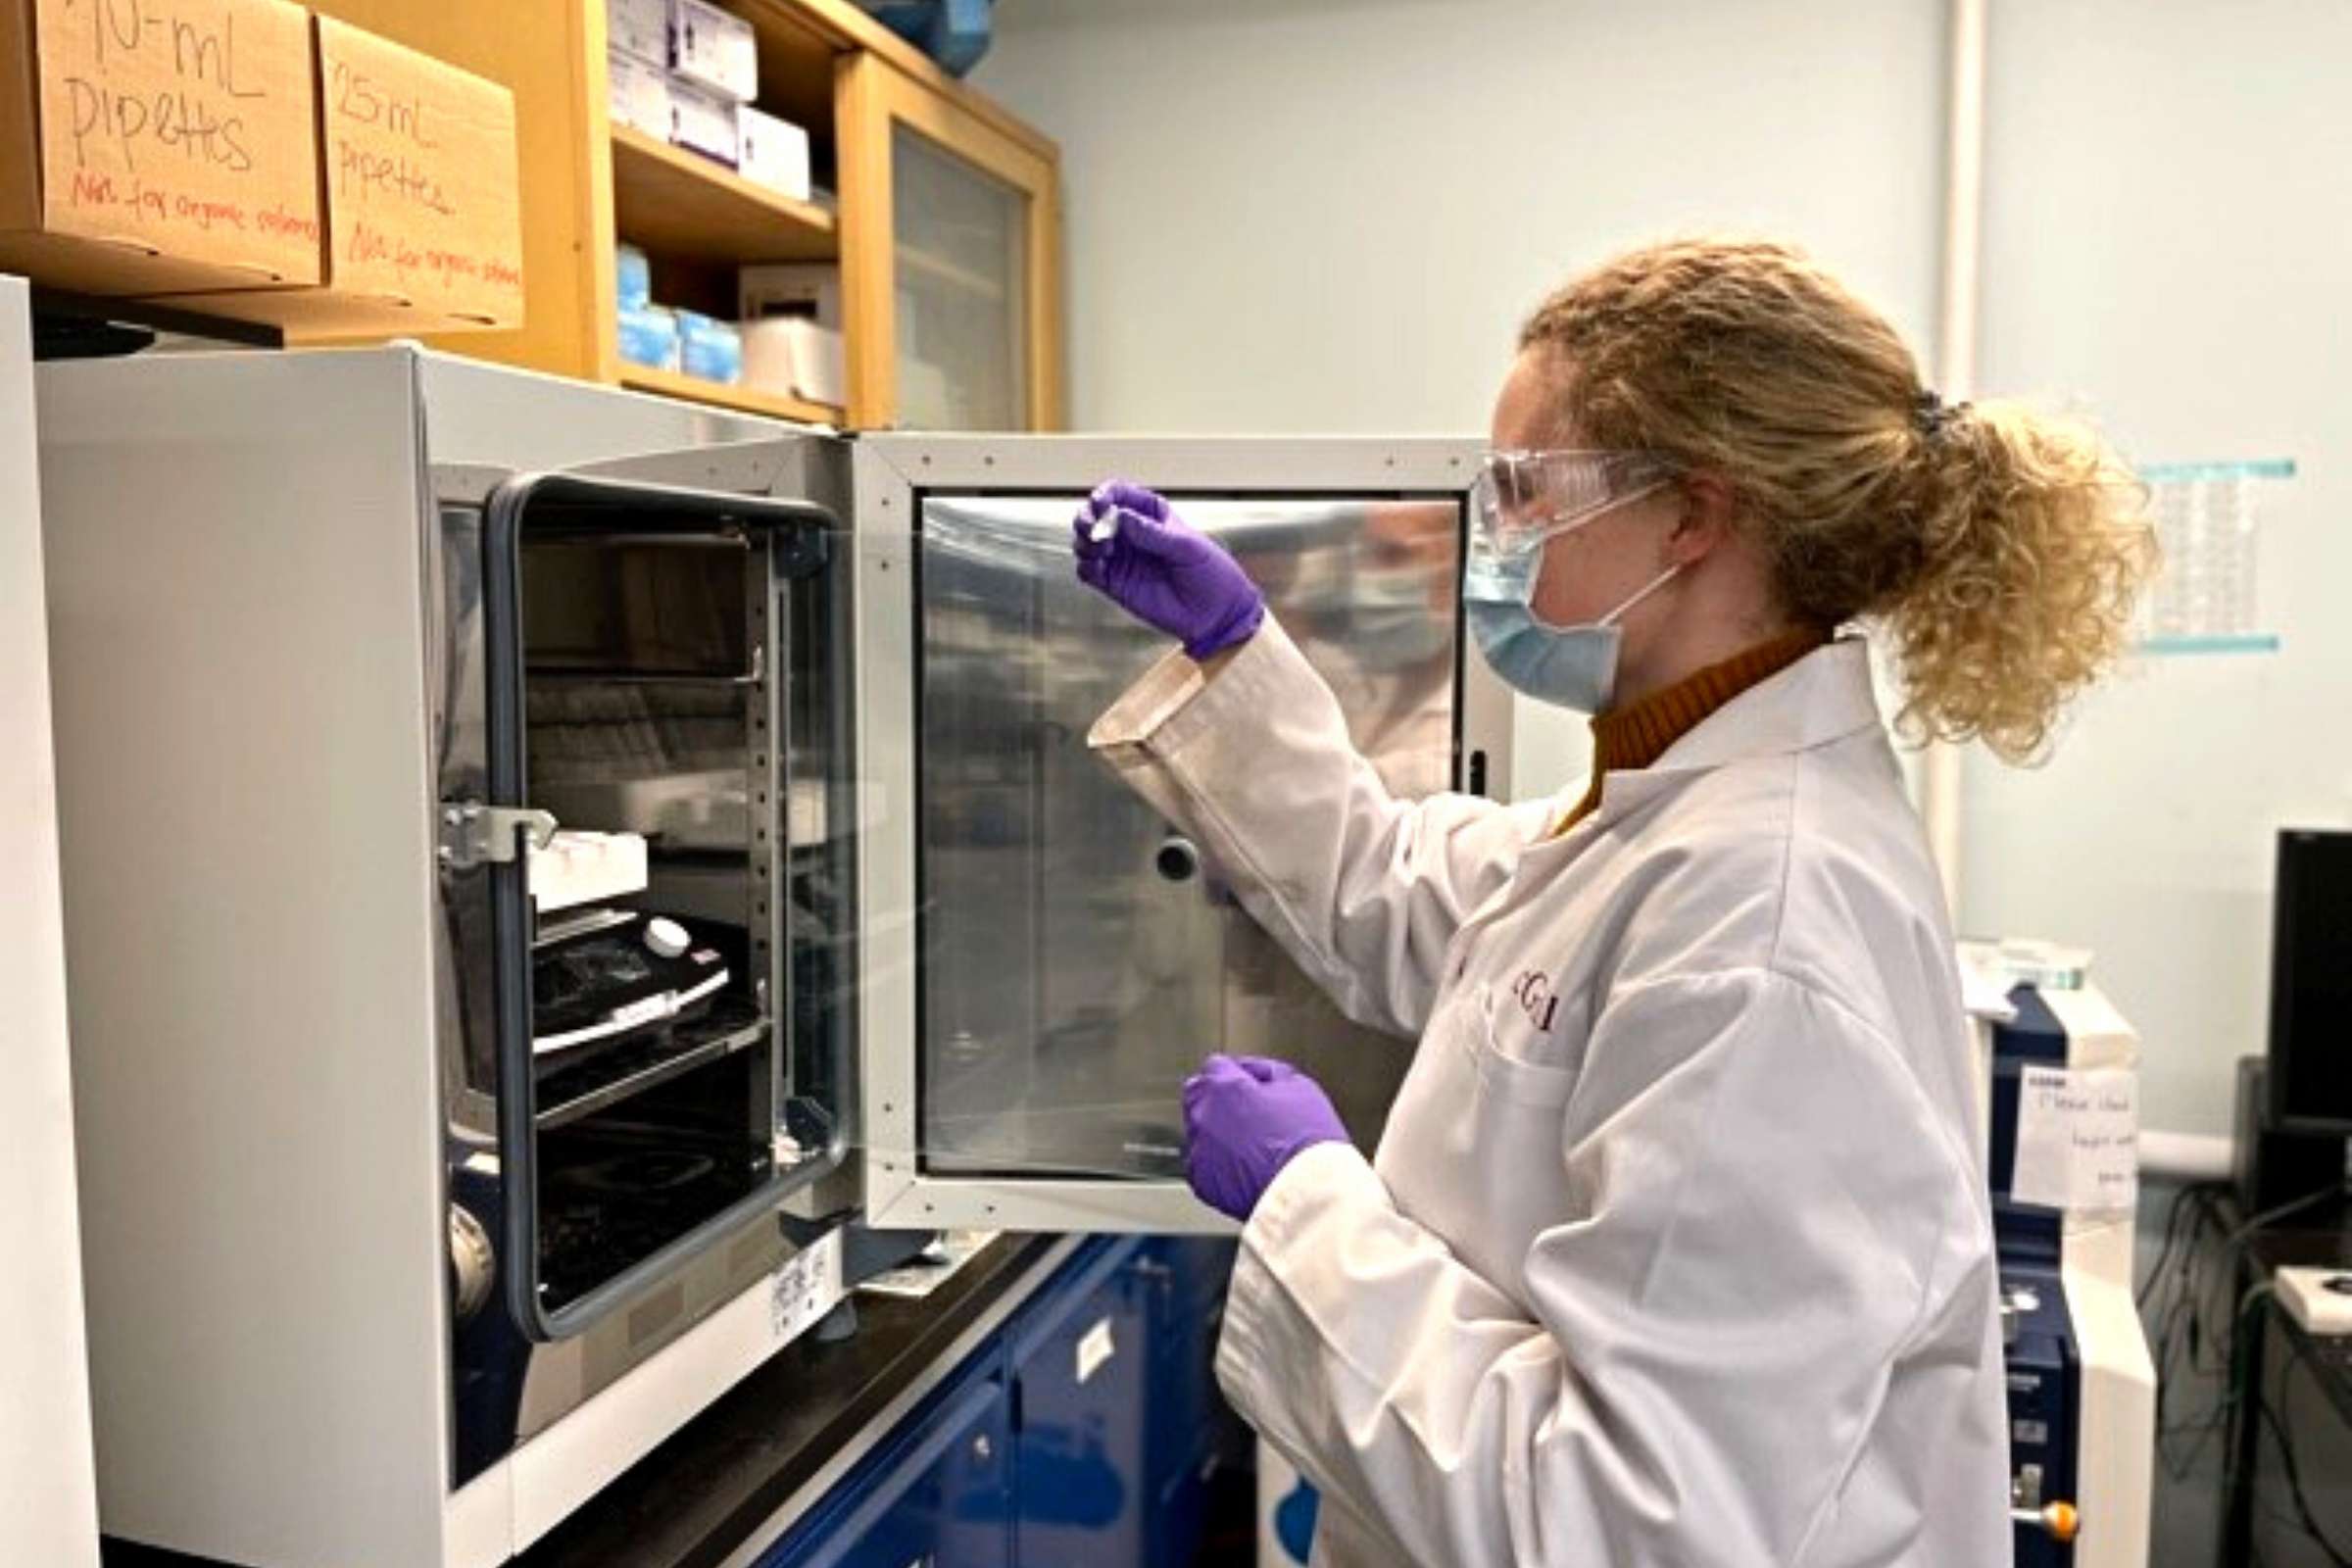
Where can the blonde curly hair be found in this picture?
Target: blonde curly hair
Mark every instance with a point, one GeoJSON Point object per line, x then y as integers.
{"type": "Point", "coordinates": [2001, 548]}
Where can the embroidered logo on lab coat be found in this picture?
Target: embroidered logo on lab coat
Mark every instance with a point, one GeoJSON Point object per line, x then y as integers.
{"type": "Point", "coordinates": [1536, 998]}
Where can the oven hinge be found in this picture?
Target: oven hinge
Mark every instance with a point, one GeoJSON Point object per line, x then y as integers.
{"type": "Point", "coordinates": [474, 834]}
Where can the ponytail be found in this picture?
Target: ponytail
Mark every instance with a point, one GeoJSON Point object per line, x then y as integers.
{"type": "Point", "coordinates": [2034, 547]}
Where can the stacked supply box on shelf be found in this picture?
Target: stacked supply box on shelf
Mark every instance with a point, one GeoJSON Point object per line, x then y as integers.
{"type": "Point", "coordinates": [637, 63]}
{"type": "Point", "coordinates": [688, 72]}
{"type": "Point", "coordinates": [705, 122]}
{"type": "Point", "coordinates": [639, 94]}
{"type": "Point", "coordinates": [648, 333]}
{"type": "Point", "coordinates": [713, 49]}
{"type": "Point", "coordinates": [709, 349]}
{"type": "Point", "coordinates": [424, 201]}
{"type": "Point", "coordinates": [640, 30]}
{"type": "Point", "coordinates": [177, 155]}
{"type": "Point", "coordinates": [791, 342]}
{"type": "Point", "coordinates": [664, 339]}
{"type": "Point", "coordinates": [773, 153]}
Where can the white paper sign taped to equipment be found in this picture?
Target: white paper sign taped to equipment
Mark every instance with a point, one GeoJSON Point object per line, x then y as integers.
{"type": "Point", "coordinates": [2078, 1139]}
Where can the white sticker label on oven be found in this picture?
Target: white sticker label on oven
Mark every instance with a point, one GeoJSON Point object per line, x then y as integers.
{"type": "Point", "coordinates": [805, 1288]}
{"type": "Point", "coordinates": [1094, 1350]}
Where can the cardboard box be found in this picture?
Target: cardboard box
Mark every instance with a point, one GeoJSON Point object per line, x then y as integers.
{"type": "Point", "coordinates": [810, 289]}
{"type": "Point", "coordinates": [703, 122]}
{"type": "Point", "coordinates": [714, 49]}
{"type": "Point", "coordinates": [423, 200]}
{"type": "Point", "coordinates": [638, 94]}
{"type": "Point", "coordinates": [774, 153]}
{"type": "Point", "coordinates": [639, 28]}
{"type": "Point", "coordinates": [152, 146]}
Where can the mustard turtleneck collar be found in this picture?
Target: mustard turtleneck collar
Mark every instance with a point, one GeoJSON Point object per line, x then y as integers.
{"type": "Point", "coordinates": [1635, 736]}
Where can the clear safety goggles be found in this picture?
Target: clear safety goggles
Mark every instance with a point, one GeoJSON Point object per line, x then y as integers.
{"type": "Point", "coordinates": [1524, 498]}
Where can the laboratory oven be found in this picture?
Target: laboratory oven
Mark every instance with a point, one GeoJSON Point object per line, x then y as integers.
{"type": "Point", "coordinates": [462, 907]}
{"type": "Point", "coordinates": [539, 857]}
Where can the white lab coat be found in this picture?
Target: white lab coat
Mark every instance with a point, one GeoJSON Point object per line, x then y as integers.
{"type": "Point", "coordinates": [1676, 1250]}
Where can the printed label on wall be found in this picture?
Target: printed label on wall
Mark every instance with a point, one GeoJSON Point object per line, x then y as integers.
{"type": "Point", "coordinates": [2078, 1139]}
{"type": "Point", "coordinates": [2208, 525]}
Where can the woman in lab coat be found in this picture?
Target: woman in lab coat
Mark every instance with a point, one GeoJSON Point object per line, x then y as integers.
{"type": "Point", "coordinates": [1676, 1248]}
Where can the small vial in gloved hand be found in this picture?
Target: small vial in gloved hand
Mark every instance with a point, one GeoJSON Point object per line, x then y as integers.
{"type": "Point", "coordinates": [1104, 527]}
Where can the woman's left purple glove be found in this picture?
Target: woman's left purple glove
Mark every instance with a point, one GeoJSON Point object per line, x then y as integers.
{"type": "Point", "coordinates": [1244, 1118]}
{"type": "Point", "coordinates": [1162, 570]}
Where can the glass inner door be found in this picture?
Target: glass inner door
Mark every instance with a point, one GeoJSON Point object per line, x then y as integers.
{"type": "Point", "coordinates": [1079, 959]}
{"type": "Point", "coordinates": [663, 975]}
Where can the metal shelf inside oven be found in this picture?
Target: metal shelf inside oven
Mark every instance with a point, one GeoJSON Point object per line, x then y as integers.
{"type": "Point", "coordinates": [570, 1091]}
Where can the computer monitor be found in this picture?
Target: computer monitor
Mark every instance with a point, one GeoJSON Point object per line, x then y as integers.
{"type": "Point", "coordinates": [2311, 984]}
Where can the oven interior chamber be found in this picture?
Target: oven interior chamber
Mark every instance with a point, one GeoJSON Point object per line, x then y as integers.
{"type": "Point", "coordinates": [653, 1062]}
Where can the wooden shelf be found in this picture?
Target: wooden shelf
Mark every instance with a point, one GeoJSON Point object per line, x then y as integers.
{"type": "Point", "coordinates": [742, 399]}
{"type": "Point", "coordinates": [682, 206]}
{"type": "Point", "coordinates": [940, 270]}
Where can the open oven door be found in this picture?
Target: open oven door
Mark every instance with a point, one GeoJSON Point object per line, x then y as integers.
{"type": "Point", "coordinates": [1044, 957]}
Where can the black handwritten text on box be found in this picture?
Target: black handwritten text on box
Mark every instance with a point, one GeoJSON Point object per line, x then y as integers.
{"type": "Point", "coordinates": [190, 118]}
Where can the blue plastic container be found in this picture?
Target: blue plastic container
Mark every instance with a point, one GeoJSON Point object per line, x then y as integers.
{"type": "Point", "coordinates": [648, 337]}
{"type": "Point", "coordinates": [709, 349]}
{"type": "Point", "coordinates": [633, 274]}
{"type": "Point", "coordinates": [953, 32]}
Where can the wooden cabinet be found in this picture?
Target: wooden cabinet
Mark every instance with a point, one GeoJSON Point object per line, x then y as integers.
{"type": "Point", "coordinates": [951, 248]}
{"type": "Point", "coordinates": [947, 228]}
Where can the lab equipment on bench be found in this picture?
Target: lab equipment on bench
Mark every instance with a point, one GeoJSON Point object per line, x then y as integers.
{"type": "Point", "coordinates": [2318, 1298]}
{"type": "Point", "coordinates": [434, 1153]}
{"type": "Point", "coordinates": [473, 1199]}
{"type": "Point", "coordinates": [2294, 1102]}
{"type": "Point", "coordinates": [2311, 984]}
{"type": "Point", "coordinates": [2064, 1072]}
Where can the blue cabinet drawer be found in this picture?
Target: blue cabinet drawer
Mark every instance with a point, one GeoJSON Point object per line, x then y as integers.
{"type": "Point", "coordinates": [1115, 1411]}
{"type": "Point", "coordinates": [1079, 1359]}
{"type": "Point", "coordinates": [936, 1496]}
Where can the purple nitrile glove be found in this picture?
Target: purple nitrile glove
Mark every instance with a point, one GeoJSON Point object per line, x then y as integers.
{"type": "Point", "coordinates": [1244, 1118]}
{"type": "Point", "coordinates": [1162, 570]}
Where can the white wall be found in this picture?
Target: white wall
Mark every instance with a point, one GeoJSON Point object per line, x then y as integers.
{"type": "Point", "coordinates": [1294, 214]}
{"type": "Point", "coordinates": [48, 1501]}
{"type": "Point", "coordinates": [1331, 215]}
{"type": "Point", "coordinates": [2167, 243]}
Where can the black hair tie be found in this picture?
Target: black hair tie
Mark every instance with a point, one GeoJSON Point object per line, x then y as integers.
{"type": "Point", "coordinates": [1931, 415]}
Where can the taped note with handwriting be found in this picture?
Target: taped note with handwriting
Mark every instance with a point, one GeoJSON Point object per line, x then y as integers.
{"type": "Point", "coordinates": [2078, 1139]}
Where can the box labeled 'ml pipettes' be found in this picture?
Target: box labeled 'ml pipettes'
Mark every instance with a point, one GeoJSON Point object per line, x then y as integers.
{"type": "Point", "coordinates": [424, 217]}
{"type": "Point", "coordinates": [154, 146]}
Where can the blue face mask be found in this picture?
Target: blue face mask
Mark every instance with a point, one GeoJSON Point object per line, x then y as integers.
{"type": "Point", "coordinates": [1573, 666]}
